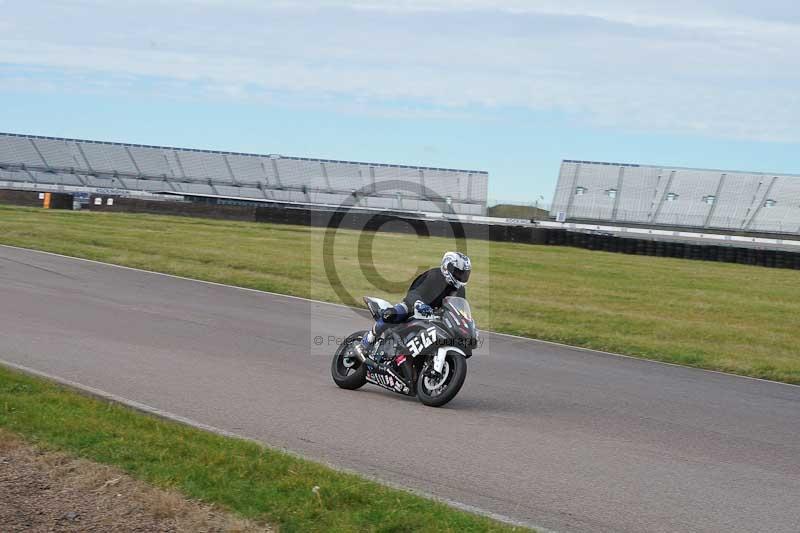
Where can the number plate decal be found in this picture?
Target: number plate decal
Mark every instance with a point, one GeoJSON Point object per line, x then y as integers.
{"type": "Point", "coordinates": [422, 341]}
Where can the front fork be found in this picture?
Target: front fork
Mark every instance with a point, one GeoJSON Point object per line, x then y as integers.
{"type": "Point", "coordinates": [434, 368]}
{"type": "Point", "coordinates": [438, 359]}
{"type": "Point", "coordinates": [441, 354]}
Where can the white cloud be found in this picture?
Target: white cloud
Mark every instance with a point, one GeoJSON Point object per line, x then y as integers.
{"type": "Point", "coordinates": [723, 70]}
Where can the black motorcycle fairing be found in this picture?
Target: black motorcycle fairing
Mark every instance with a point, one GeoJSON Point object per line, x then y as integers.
{"type": "Point", "coordinates": [420, 337]}
{"type": "Point", "coordinates": [387, 379]}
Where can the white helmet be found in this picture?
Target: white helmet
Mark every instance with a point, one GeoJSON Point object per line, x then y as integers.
{"type": "Point", "coordinates": [456, 268]}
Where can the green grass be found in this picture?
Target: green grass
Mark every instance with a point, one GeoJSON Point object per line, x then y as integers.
{"type": "Point", "coordinates": [518, 211]}
{"type": "Point", "coordinates": [720, 316]}
{"type": "Point", "coordinates": [242, 476]}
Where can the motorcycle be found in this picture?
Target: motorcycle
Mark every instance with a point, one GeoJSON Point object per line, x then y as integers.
{"type": "Point", "coordinates": [424, 357]}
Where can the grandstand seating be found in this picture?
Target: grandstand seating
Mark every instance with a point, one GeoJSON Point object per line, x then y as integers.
{"type": "Point", "coordinates": [58, 153]}
{"type": "Point", "coordinates": [136, 169]}
{"type": "Point", "coordinates": [781, 213]}
{"type": "Point", "coordinates": [19, 149]}
{"type": "Point", "coordinates": [738, 199]}
{"type": "Point", "coordinates": [673, 196]}
{"type": "Point", "coordinates": [682, 200]}
{"type": "Point", "coordinates": [638, 194]}
{"type": "Point", "coordinates": [109, 158]}
{"type": "Point", "coordinates": [151, 162]}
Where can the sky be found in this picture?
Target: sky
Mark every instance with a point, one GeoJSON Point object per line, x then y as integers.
{"type": "Point", "coordinates": [507, 86]}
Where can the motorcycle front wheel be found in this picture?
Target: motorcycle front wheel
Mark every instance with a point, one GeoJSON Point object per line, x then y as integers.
{"type": "Point", "coordinates": [435, 389]}
{"type": "Point", "coordinates": [346, 370]}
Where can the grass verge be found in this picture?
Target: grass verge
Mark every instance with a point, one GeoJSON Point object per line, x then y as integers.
{"type": "Point", "coordinates": [719, 316]}
{"type": "Point", "coordinates": [45, 490]}
{"type": "Point", "coordinates": [251, 480]}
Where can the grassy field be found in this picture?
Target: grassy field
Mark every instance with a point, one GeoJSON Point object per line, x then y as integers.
{"type": "Point", "coordinates": [719, 316]}
{"type": "Point", "coordinates": [244, 477]}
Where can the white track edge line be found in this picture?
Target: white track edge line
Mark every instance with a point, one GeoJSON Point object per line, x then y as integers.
{"type": "Point", "coordinates": [644, 359]}
{"type": "Point", "coordinates": [528, 339]}
{"type": "Point", "coordinates": [173, 275]}
{"type": "Point", "coordinates": [166, 415]}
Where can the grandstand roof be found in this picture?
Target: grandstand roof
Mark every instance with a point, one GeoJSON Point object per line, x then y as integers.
{"type": "Point", "coordinates": [89, 141]}
{"type": "Point", "coordinates": [673, 167]}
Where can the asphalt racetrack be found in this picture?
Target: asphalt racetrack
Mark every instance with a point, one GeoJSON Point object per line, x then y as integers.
{"type": "Point", "coordinates": [562, 438]}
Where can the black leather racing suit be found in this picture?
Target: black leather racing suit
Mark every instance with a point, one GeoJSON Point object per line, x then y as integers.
{"type": "Point", "coordinates": [430, 287]}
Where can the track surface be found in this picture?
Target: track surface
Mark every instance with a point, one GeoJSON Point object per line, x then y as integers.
{"type": "Point", "coordinates": [567, 439]}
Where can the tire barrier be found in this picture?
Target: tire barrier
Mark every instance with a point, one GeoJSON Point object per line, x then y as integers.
{"type": "Point", "coordinates": [683, 250]}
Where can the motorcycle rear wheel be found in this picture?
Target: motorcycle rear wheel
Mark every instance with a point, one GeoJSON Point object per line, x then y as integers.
{"type": "Point", "coordinates": [437, 392]}
{"type": "Point", "coordinates": [346, 370]}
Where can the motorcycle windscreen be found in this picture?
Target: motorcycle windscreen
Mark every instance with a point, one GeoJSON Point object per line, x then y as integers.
{"type": "Point", "coordinates": [460, 306]}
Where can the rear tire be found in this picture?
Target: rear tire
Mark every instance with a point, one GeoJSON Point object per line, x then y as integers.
{"type": "Point", "coordinates": [346, 370]}
{"type": "Point", "coordinates": [455, 371]}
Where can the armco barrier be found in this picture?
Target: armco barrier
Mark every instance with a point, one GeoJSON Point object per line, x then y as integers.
{"type": "Point", "coordinates": [402, 223]}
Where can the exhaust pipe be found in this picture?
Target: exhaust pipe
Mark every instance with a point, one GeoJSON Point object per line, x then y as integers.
{"type": "Point", "coordinates": [363, 359]}
{"type": "Point", "coordinates": [360, 356]}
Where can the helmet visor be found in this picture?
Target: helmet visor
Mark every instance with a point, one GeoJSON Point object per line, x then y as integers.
{"type": "Point", "coordinates": [461, 275]}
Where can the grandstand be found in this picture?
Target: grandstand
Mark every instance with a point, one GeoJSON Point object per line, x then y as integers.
{"type": "Point", "coordinates": [629, 194]}
{"type": "Point", "coordinates": [74, 165]}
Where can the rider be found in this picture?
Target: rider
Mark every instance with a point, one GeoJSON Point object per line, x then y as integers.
{"type": "Point", "coordinates": [425, 294]}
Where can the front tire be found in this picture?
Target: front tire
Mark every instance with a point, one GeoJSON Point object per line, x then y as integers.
{"type": "Point", "coordinates": [346, 370]}
{"type": "Point", "coordinates": [435, 391]}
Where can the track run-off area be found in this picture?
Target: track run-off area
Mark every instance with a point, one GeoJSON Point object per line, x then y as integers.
{"type": "Point", "coordinates": [561, 438]}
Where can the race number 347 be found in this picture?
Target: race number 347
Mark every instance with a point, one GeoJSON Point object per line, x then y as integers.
{"type": "Point", "coordinates": [422, 341]}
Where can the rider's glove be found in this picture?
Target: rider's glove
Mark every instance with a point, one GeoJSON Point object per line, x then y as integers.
{"type": "Point", "coordinates": [389, 314]}
{"type": "Point", "coordinates": [422, 308]}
